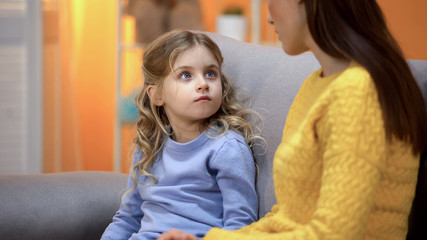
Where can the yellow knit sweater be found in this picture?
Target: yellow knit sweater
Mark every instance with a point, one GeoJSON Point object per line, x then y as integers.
{"type": "Point", "coordinates": [335, 175]}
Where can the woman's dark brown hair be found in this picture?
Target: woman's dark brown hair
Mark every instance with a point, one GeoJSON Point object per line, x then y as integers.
{"type": "Point", "coordinates": [356, 29]}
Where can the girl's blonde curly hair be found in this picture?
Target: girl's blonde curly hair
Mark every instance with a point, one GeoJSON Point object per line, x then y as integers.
{"type": "Point", "coordinates": [152, 125]}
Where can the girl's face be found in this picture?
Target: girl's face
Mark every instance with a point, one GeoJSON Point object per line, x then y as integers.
{"type": "Point", "coordinates": [192, 91]}
{"type": "Point", "coordinates": [289, 19]}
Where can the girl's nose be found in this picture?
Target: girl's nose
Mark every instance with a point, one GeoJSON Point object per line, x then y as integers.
{"type": "Point", "coordinates": [202, 84]}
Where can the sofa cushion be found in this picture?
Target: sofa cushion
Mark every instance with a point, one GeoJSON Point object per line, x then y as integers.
{"type": "Point", "coordinates": [74, 205]}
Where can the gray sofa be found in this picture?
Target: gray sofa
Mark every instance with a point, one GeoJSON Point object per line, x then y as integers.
{"type": "Point", "coordinates": [79, 205]}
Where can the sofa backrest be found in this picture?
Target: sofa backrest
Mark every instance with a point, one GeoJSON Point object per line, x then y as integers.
{"type": "Point", "coordinates": [273, 79]}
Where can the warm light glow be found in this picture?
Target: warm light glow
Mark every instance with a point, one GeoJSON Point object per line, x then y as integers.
{"type": "Point", "coordinates": [80, 72]}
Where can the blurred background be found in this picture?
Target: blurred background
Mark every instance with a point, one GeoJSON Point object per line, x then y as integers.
{"type": "Point", "coordinates": [69, 70]}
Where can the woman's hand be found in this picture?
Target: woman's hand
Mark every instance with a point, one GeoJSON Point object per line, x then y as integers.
{"type": "Point", "coordinates": [175, 234]}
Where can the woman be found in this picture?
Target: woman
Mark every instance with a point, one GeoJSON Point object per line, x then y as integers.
{"type": "Point", "coordinates": [347, 165]}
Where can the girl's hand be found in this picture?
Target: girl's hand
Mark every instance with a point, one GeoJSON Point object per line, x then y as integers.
{"type": "Point", "coordinates": [175, 234]}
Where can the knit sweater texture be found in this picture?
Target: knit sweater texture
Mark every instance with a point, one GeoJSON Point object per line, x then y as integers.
{"type": "Point", "coordinates": [208, 182]}
{"type": "Point", "coordinates": [335, 175]}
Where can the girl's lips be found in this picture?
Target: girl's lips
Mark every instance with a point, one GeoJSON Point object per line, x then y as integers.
{"type": "Point", "coordinates": [203, 98]}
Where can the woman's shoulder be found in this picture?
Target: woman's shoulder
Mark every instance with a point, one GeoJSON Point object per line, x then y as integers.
{"type": "Point", "coordinates": [355, 76]}
{"type": "Point", "coordinates": [353, 86]}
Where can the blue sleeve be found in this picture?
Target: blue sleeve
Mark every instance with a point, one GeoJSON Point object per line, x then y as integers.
{"type": "Point", "coordinates": [127, 219]}
{"type": "Point", "coordinates": [235, 169]}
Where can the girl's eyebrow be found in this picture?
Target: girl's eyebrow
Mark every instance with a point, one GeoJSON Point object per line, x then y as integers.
{"type": "Point", "coordinates": [182, 67]}
{"type": "Point", "coordinates": [213, 66]}
{"type": "Point", "coordinates": [190, 67]}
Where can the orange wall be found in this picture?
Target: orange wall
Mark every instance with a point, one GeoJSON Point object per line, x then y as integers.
{"type": "Point", "coordinates": [86, 32]}
{"type": "Point", "coordinates": [407, 20]}
{"type": "Point", "coordinates": [50, 39]}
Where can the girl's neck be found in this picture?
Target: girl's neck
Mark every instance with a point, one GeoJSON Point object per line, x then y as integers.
{"type": "Point", "coordinates": [183, 134]}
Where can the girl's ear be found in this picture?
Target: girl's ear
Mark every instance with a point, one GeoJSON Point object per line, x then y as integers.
{"type": "Point", "coordinates": [154, 96]}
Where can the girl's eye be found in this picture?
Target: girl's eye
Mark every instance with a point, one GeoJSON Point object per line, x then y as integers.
{"type": "Point", "coordinates": [211, 74]}
{"type": "Point", "coordinates": [185, 75]}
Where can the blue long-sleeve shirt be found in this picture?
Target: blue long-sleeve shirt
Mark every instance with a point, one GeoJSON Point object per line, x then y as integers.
{"type": "Point", "coordinates": [208, 182]}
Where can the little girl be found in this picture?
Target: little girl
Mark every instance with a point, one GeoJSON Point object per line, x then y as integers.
{"type": "Point", "coordinates": [193, 168]}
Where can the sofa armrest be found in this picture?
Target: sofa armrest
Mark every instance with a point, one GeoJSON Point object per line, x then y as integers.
{"type": "Point", "coordinates": [72, 205]}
